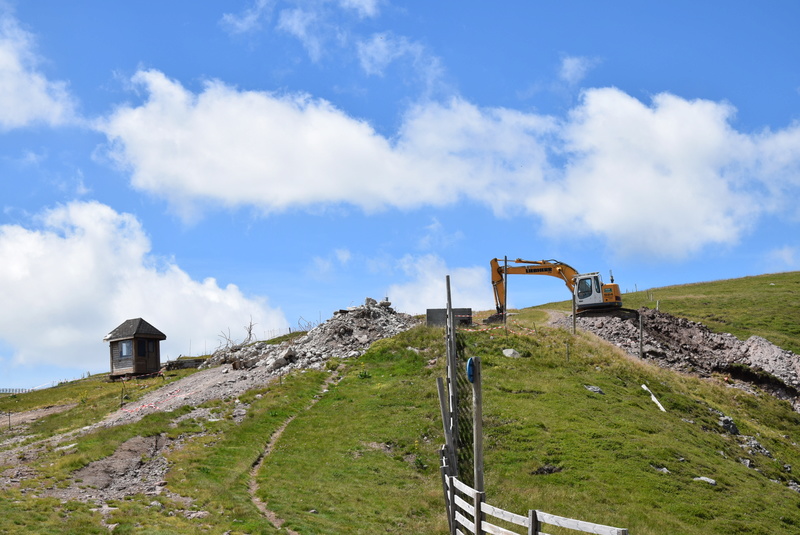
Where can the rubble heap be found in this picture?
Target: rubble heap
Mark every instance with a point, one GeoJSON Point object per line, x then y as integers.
{"type": "Point", "coordinates": [347, 334]}
{"type": "Point", "coordinates": [688, 346]}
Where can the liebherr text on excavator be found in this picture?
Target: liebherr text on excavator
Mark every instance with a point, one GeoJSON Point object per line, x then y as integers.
{"type": "Point", "coordinates": [588, 290]}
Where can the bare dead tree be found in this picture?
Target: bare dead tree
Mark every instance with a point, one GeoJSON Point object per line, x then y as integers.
{"type": "Point", "coordinates": [249, 329]}
{"type": "Point", "coordinates": [227, 341]}
{"type": "Point", "coordinates": [305, 325]}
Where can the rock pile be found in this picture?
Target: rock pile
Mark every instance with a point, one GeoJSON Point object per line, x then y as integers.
{"type": "Point", "coordinates": [691, 347]}
{"type": "Point", "coordinates": [347, 334]}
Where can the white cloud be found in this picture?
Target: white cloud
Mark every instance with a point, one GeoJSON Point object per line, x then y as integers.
{"type": "Point", "coordinates": [786, 257]}
{"type": "Point", "coordinates": [250, 19]}
{"type": "Point", "coordinates": [380, 50]}
{"type": "Point", "coordinates": [26, 95]}
{"type": "Point", "coordinates": [773, 157]}
{"type": "Point", "coordinates": [427, 287]}
{"type": "Point", "coordinates": [343, 256]}
{"type": "Point", "coordinates": [364, 8]}
{"type": "Point", "coordinates": [660, 180]}
{"type": "Point", "coordinates": [305, 25]}
{"type": "Point", "coordinates": [575, 68]}
{"type": "Point", "coordinates": [322, 267]}
{"type": "Point", "coordinates": [279, 152]}
{"type": "Point", "coordinates": [84, 270]}
{"type": "Point", "coordinates": [437, 237]}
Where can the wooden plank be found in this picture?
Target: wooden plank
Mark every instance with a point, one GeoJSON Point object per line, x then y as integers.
{"type": "Point", "coordinates": [447, 504]}
{"type": "Point", "coordinates": [466, 489]}
{"type": "Point", "coordinates": [466, 522]}
{"type": "Point", "coordinates": [446, 416]}
{"type": "Point", "coordinates": [496, 530]}
{"type": "Point", "coordinates": [505, 515]}
{"type": "Point", "coordinates": [464, 505]}
{"type": "Point", "coordinates": [579, 525]}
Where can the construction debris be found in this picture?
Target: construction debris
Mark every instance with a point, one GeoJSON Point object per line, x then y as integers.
{"type": "Point", "coordinates": [349, 333]}
{"type": "Point", "coordinates": [691, 347]}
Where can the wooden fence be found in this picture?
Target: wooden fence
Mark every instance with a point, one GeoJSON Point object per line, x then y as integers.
{"type": "Point", "coordinates": [14, 390]}
{"type": "Point", "coordinates": [468, 512]}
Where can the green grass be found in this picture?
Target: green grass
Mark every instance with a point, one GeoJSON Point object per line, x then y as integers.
{"type": "Point", "coordinates": [538, 413]}
{"type": "Point", "coordinates": [91, 399]}
{"type": "Point", "coordinates": [215, 470]}
{"type": "Point", "coordinates": [363, 459]}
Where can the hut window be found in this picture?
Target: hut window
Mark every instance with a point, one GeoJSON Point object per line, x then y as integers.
{"type": "Point", "coordinates": [151, 346]}
{"type": "Point", "coordinates": [142, 348]}
{"type": "Point", "coordinates": [126, 348]}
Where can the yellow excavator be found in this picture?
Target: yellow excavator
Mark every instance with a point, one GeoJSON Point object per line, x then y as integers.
{"type": "Point", "coordinates": [588, 290]}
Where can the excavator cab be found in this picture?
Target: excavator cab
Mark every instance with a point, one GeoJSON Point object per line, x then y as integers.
{"type": "Point", "coordinates": [590, 292]}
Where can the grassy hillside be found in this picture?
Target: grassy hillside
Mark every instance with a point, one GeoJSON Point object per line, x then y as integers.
{"type": "Point", "coordinates": [362, 459]}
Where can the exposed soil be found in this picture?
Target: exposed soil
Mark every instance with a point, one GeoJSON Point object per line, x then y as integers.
{"type": "Point", "coordinates": [26, 417]}
{"type": "Point", "coordinates": [137, 467]}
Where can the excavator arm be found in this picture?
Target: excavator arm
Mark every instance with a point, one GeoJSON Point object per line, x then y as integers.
{"type": "Point", "coordinates": [553, 268]}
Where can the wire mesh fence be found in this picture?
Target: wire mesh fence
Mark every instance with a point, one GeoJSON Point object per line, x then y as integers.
{"type": "Point", "coordinates": [465, 456]}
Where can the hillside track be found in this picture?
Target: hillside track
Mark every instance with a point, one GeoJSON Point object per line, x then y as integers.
{"type": "Point", "coordinates": [273, 517]}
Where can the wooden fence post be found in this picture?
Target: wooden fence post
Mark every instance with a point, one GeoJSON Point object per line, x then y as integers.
{"type": "Point", "coordinates": [574, 314]}
{"type": "Point", "coordinates": [452, 500]}
{"type": "Point", "coordinates": [447, 417]}
{"type": "Point", "coordinates": [480, 497]}
{"type": "Point", "coordinates": [452, 378]}
{"type": "Point", "coordinates": [641, 337]}
{"type": "Point", "coordinates": [477, 423]}
{"type": "Point", "coordinates": [505, 294]}
{"type": "Point", "coordinates": [533, 522]}
{"type": "Point", "coordinates": [447, 497]}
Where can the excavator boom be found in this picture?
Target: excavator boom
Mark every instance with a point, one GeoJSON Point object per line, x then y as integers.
{"type": "Point", "coordinates": [587, 289]}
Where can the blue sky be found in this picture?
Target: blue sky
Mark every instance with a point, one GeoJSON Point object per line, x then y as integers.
{"type": "Point", "coordinates": [207, 164]}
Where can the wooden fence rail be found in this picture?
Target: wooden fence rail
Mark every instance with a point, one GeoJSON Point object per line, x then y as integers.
{"type": "Point", "coordinates": [467, 512]}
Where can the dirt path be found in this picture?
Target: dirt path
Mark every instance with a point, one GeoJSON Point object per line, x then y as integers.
{"type": "Point", "coordinates": [273, 440]}
{"type": "Point", "coordinates": [555, 317]}
{"type": "Point", "coordinates": [26, 417]}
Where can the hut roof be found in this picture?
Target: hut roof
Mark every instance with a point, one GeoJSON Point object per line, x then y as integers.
{"type": "Point", "coordinates": [135, 327]}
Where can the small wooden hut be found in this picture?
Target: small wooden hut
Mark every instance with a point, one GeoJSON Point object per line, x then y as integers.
{"type": "Point", "coordinates": [134, 348]}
